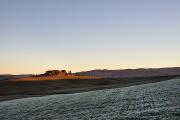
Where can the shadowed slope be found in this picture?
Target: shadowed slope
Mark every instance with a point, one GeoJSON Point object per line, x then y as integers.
{"type": "Point", "coordinates": [28, 88]}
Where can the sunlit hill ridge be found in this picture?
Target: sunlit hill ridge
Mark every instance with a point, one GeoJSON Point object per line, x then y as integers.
{"type": "Point", "coordinates": [55, 75]}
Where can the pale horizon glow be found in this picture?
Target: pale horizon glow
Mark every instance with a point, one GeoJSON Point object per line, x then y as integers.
{"type": "Point", "coordinates": [80, 35]}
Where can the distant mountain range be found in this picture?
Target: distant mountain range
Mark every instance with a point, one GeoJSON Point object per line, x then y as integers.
{"type": "Point", "coordinates": [10, 77]}
{"type": "Point", "coordinates": [125, 73]}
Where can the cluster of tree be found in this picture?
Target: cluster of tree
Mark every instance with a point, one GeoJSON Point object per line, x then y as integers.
{"type": "Point", "coordinates": [54, 72]}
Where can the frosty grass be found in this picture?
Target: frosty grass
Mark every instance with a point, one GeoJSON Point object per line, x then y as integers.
{"type": "Point", "coordinates": [150, 101]}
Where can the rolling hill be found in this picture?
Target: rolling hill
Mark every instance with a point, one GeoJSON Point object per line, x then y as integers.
{"type": "Point", "coordinates": [128, 73]}
{"type": "Point", "coordinates": [149, 101]}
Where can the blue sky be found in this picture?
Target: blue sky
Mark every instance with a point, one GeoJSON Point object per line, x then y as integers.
{"type": "Point", "coordinates": [37, 35]}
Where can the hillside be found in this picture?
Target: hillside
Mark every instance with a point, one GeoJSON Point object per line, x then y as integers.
{"type": "Point", "coordinates": [13, 89]}
{"type": "Point", "coordinates": [150, 101]}
{"type": "Point", "coordinates": [124, 73]}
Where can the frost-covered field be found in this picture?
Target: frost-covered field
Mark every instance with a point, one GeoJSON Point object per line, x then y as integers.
{"type": "Point", "coordinates": [151, 101]}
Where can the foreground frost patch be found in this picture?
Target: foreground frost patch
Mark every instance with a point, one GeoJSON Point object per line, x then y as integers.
{"type": "Point", "coordinates": [151, 101]}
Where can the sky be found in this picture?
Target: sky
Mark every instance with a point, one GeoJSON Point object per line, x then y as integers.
{"type": "Point", "coordinates": [80, 35]}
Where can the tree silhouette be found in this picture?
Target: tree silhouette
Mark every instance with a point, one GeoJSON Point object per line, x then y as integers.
{"type": "Point", "coordinates": [70, 73]}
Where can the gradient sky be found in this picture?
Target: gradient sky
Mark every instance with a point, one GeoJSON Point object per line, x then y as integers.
{"type": "Point", "coordinates": [38, 35]}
